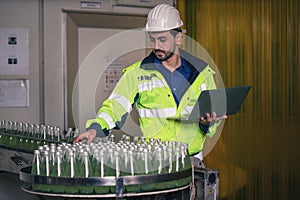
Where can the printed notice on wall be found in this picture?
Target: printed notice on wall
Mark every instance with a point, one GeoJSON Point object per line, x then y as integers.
{"type": "Point", "coordinates": [14, 93]}
{"type": "Point", "coordinates": [112, 75]}
{"type": "Point", "coordinates": [14, 51]}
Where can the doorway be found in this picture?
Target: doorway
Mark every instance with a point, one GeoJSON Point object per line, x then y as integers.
{"type": "Point", "coordinates": [83, 32]}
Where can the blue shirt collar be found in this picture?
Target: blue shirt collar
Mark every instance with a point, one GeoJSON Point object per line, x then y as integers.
{"type": "Point", "coordinates": [184, 65]}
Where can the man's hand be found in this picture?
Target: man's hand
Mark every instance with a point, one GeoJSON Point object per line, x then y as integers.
{"type": "Point", "coordinates": [89, 135]}
{"type": "Point", "coordinates": [208, 119]}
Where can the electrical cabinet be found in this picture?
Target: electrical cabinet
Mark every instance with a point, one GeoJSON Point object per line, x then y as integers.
{"type": "Point", "coordinates": [206, 183]}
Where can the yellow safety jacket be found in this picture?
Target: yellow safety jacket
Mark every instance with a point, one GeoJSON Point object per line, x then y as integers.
{"type": "Point", "coordinates": [147, 88]}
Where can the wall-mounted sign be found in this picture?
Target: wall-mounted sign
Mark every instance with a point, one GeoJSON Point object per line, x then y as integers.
{"type": "Point", "coordinates": [14, 93]}
{"type": "Point", "coordinates": [90, 5]}
{"type": "Point", "coordinates": [112, 74]}
{"type": "Point", "coordinates": [14, 51]}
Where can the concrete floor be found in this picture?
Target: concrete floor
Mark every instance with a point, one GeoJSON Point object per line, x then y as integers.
{"type": "Point", "coordinates": [10, 188]}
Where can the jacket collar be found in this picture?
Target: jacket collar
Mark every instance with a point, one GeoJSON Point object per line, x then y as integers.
{"type": "Point", "coordinates": [198, 64]}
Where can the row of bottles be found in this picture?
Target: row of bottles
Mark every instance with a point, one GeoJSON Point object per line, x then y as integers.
{"type": "Point", "coordinates": [107, 158]}
{"type": "Point", "coordinates": [30, 136]}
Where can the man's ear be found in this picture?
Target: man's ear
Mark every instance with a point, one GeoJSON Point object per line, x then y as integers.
{"type": "Point", "coordinates": [178, 38]}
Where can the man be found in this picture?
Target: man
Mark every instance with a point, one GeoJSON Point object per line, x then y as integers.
{"type": "Point", "coordinates": [167, 83]}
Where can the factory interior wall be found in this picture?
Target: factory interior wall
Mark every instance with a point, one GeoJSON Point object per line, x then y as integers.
{"type": "Point", "coordinates": [22, 14]}
{"type": "Point", "coordinates": [254, 43]}
{"type": "Point", "coordinates": [27, 18]}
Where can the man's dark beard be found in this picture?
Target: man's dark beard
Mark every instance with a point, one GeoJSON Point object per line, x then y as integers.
{"type": "Point", "coordinates": [164, 58]}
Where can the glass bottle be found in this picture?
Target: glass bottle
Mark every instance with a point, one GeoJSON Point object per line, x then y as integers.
{"type": "Point", "coordinates": [25, 136]}
{"type": "Point", "coordinates": [57, 172]}
{"type": "Point", "coordinates": [47, 163]}
{"type": "Point", "coordinates": [76, 134]}
{"type": "Point", "coordinates": [184, 164]}
{"type": "Point", "coordinates": [140, 161]}
{"type": "Point", "coordinates": [50, 133]}
{"type": "Point", "coordinates": [9, 127]}
{"type": "Point", "coordinates": [124, 162]}
{"type": "Point", "coordinates": [2, 126]}
{"type": "Point", "coordinates": [98, 163]}
{"type": "Point", "coordinates": [43, 134]}
{"type": "Point", "coordinates": [110, 163]}
{"type": "Point", "coordinates": [111, 137]}
{"type": "Point", "coordinates": [19, 134]}
{"type": "Point", "coordinates": [57, 133]}
{"type": "Point", "coordinates": [148, 186]}
{"type": "Point", "coordinates": [45, 171]}
{"type": "Point", "coordinates": [69, 136]}
{"type": "Point", "coordinates": [86, 171]}
{"type": "Point", "coordinates": [175, 166]}
{"type": "Point", "coordinates": [37, 139]}
{"type": "Point", "coordinates": [132, 164]}
{"type": "Point", "coordinates": [29, 137]}
{"type": "Point", "coordinates": [13, 132]}
{"type": "Point", "coordinates": [55, 168]}
{"type": "Point", "coordinates": [99, 171]}
{"type": "Point", "coordinates": [170, 159]}
{"type": "Point", "coordinates": [59, 162]}
{"type": "Point", "coordinates": [158, 160]}
{"type": "Point", "coordinates": [146, 161]}
{"type": "Point", "coordinates": [102, 164]}
{"type": "Point", "coordinates": [165, 162]}
{"type": "Point", "coordinates": [70, 172]}
{"type": "Point", "coordinates": [152, 169]}
{"type": "Point", "coordinates": [35, 170]}
{"type": "Point", "coordinates": [117, 162]}
{"type": "Point", "coordinates": [65, 161]}
{"type": "Point", "coordinates": [177, 153]}
{"type": "Point", "coordinates": [52, 159]}
{"type": "Point", "coordinates": [2, 132]}
{"type": "Point", "coordinates": [14, 128]}
{"type": "Point", "coordinates": [116, 168]}
{"type": "Point", "coordinates": [185, 160]}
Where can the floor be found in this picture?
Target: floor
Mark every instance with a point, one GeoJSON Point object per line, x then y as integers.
{"type": "Point", "coordinates": [10, 188]}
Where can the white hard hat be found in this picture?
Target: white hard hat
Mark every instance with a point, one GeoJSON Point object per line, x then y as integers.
{"type": "Point", "coordinates": [163, 17]}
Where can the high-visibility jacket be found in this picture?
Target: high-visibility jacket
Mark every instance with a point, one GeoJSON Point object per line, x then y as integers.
{"type": "Point", "coordinates": [145, 87]}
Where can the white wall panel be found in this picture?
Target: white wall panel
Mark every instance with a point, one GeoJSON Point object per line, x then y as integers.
{"type": "Point", "coordinates": [24, 14]}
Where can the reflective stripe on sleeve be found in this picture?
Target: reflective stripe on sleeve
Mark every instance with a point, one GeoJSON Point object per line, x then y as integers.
{"type": "Point", "coordinates": [158, 113]}
{"type": "Point", "coordinates": [203, 87]}
{"type": "Point", "coordinates": [123, 101]}
{"type": "Point", "coordinates": [107, 119]}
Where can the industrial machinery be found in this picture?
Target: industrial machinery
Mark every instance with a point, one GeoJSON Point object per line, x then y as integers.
{"type": "Point", "coordinates": [18, 140]}
{"type": "Point", "coordinates": [206, 183]}
{"type": "Point", "coordinates": [132, 168]}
